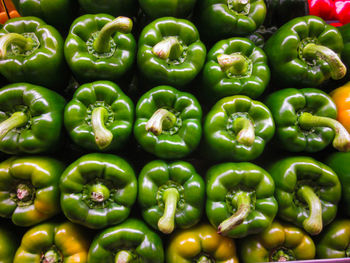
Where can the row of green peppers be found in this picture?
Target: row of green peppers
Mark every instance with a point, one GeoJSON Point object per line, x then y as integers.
{"type": "Point", "coordinates": [98, 190]}
{"type": "Point", "coordinates": [303, 52]}
{"type": "Point", "coordinates": [168, 124]}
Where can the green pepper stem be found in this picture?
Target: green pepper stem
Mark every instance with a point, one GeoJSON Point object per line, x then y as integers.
{"type": "Point", "coordinates": [204, 259]}
{"type": "Point", "coordinates": [162, 119]}
{"type": "Point", "coordinates": [103, 136]}
{"type": "Point", "coordinates": [244, 129]}
{"type": "Point", "coordinates": [313, 51]}
{"type": "Point", "coordinates": [17, 119]}
{"type": "Point", "coordinates": [123, 256]}
{"type": "Point", "coordinates": [235, 64]}
{"type": "Point", "coordinates": [341, 139]}
{"type": "Point", "coordinates": [51, 256]}
{"type": "Point", "coordinates": [239, 5]}
{"type": "Point", "coordinates": [243, 210]}
{"type": "Point", "coordinates": [166, 223]}
{"type": "Point", "coordinates": [313, 224]}
{"type": "Point", "coordinates": [13, 38]}
{"type": "Point", "coordinates": [168, 48]}
{"type": "Point", "coordinates": [99, 193]}
{"type": "Point", "coordinates": [282, 255]}
{"type": "Point", "coordinates": [120, 24]}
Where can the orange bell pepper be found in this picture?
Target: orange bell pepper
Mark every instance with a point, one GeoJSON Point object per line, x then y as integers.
{"type": "Point", "coordinates": [341, 97]}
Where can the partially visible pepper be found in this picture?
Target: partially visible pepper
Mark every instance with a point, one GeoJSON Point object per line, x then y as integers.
{"type": "Point", "coordinates": [8, 244]}
{"type": "Point", "coordinates": [279, 242]}
{"type": "Point", "coordinates": [322, 8]}
{"type": "Point", "coordinates": [342, 11]}
{"type": "Point", "coordinates": [335, 240]}
{"type": "Point", "coordinates": [341, 98]}
{"type": "Point", "coordinates": [200, 244]}
{"type": "Point", "coordinates": [54, 243]}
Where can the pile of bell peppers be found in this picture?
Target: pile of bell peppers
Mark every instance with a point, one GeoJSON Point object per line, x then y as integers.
{"type": "Point", "coordinates": [175, 131]}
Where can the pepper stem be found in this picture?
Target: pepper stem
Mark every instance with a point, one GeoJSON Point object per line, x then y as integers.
{"type": "Point", "coordinates": [313, 51]}
{"type": "Point", "coordinates": [103, 136]}
{"type": "Point", "coordinates": [313, 224]}
{"type": "Point", "coordinates": [161, 120]}
{"type": "Point", "coordinates": [51, 256]}
{"type": "Point", "coordinates": [168, 48]}
{"type": "Point", "coordinates": [23, 192]}
{"type": "Point", "coordinates": [25, 43]}
{"type": "Point", "coordinates": [239, 5]}
{"type": "Point", "coordinates": [120, 24]}
{"type": "Point", "coordinates": [243, 210]}
{"type": "Point", "coordinates": [244, 129]}
{"type": "Point", "coordinates": [99, 193]}
{"type": "Point", "coordinates": [204, 259]}
{"type": "Point", "coordinates": [16, 120]}
{"type": "Point", "coordinates": [234, 64]}
{"type": "Point", "coordinates": [341, 139]}
{"type": "Point", "coordinates": [123, 256]}
{"type": "Point", "coordinates": [166, 223]}
{"type": "Point", "coordinates": [282, 255]}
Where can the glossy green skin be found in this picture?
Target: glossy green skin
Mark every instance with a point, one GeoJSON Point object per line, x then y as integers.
{"type": "Point", "coordinates": [335, 241]}
{"type": "Point", "coordinates": [225, 179]}
{"type": "Point", "coordinates": [174, 8]}
{"type": "Point", "coordinates": [219, 84]}
{"type": "Point", "coordinates": [287, 104]}
{"type": "Point", "coordinates": [291, 173]}
{"type": "Point", "coordinates": [288, 65]}
{"type": "Point", "coordinates": [77, 114]}
{"type": "Point", "coordinates": [58, 13]}
{"type": "Point", "coordinates": [157, 176]}
{"type": "Point", "coordinates": [112, 7]}
{"type": "Point", "coordinates": [345, 55]}
{"type": "Point", "coordinates": [43, 173]}
{"type": "Point", "coordinates": [339, 163]}
{"type": "Point", "coordinates": [132, 235]}
{"type": "Point", "coordinates": [185, 136]}
{"type": "Point", "coordinates": [218, 21]}
{"type": "Point", "coordinates": [45, 111]}
{"type": "Point", "coordinates": [45, 65]}
{"type": "Point", "coordinates": [170, 72]}
{"type": "Point", "coordinates": [8, 245]}
{"type": "Point", "coordinates": [88, 66]}
{"type": "Point", "coordinates": [106, 168]}
{"type": "Point", "coordinates": [220, 139]}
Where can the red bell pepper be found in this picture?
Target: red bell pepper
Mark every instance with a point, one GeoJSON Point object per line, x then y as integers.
{"type": "Point", "coordinates": [323, 8]}
{"type": "Point", "coordinates": [342, 11]}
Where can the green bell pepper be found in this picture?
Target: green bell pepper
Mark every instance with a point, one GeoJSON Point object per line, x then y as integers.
{"type": "Point", "coordinates": [240, 199]}
{"type": "Point", "coordinates": [305, 52]}
{"type": "Point", "coordinates": [339, 163]}
{"type": "Point", "coordinates": [345, 32]}
{"type": "Point", "coordinates": [306, 120]}
{"type": "Point", "coordinates": [280, 242]}
{"type": "Point", "coordinates": [237, 128]}
{"type": "Point", "coordinates": [99, 117]}
{"type": "Point", "coordinates": [219, 19]}
{"type": "Point", "coordinates": [58, 13]}
{"type": "Point", "coordinates": [32, 51]}
{"type": "Point", "coordinates": [168, 122]}
{"type": "Point", "coordinates": [131, 241]}
{"type": "Point", "coordinates": [53, 243]}
{"type": "Point", "coordinates": [170, 52]}
{"type": "Point", "coordinates": [235, 66]}
{"type": "Point", "coordinates": [98, 190]}
{"type": "Point", "coordinates": [174, 8]}
{"type": "Point", "coordinates": [29, 191]}
{"type": "Point", "coordinates": [112, 7]}
{"type": "Point", "coordinates": [335, 241]}
{"type": "Point", "coordinates": [170, 195]}
{"type": "Point", "coordinates": [100, 47]}
{"type": "Point", "coordinates": [307, 192]}
{"type": "Point", "coordinates": [8, 244]}
{"type": "Point", "coordinates": [31, 118]}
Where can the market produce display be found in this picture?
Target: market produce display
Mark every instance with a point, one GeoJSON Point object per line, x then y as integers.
{"type": "Point", "coordinates": [174, 131]}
